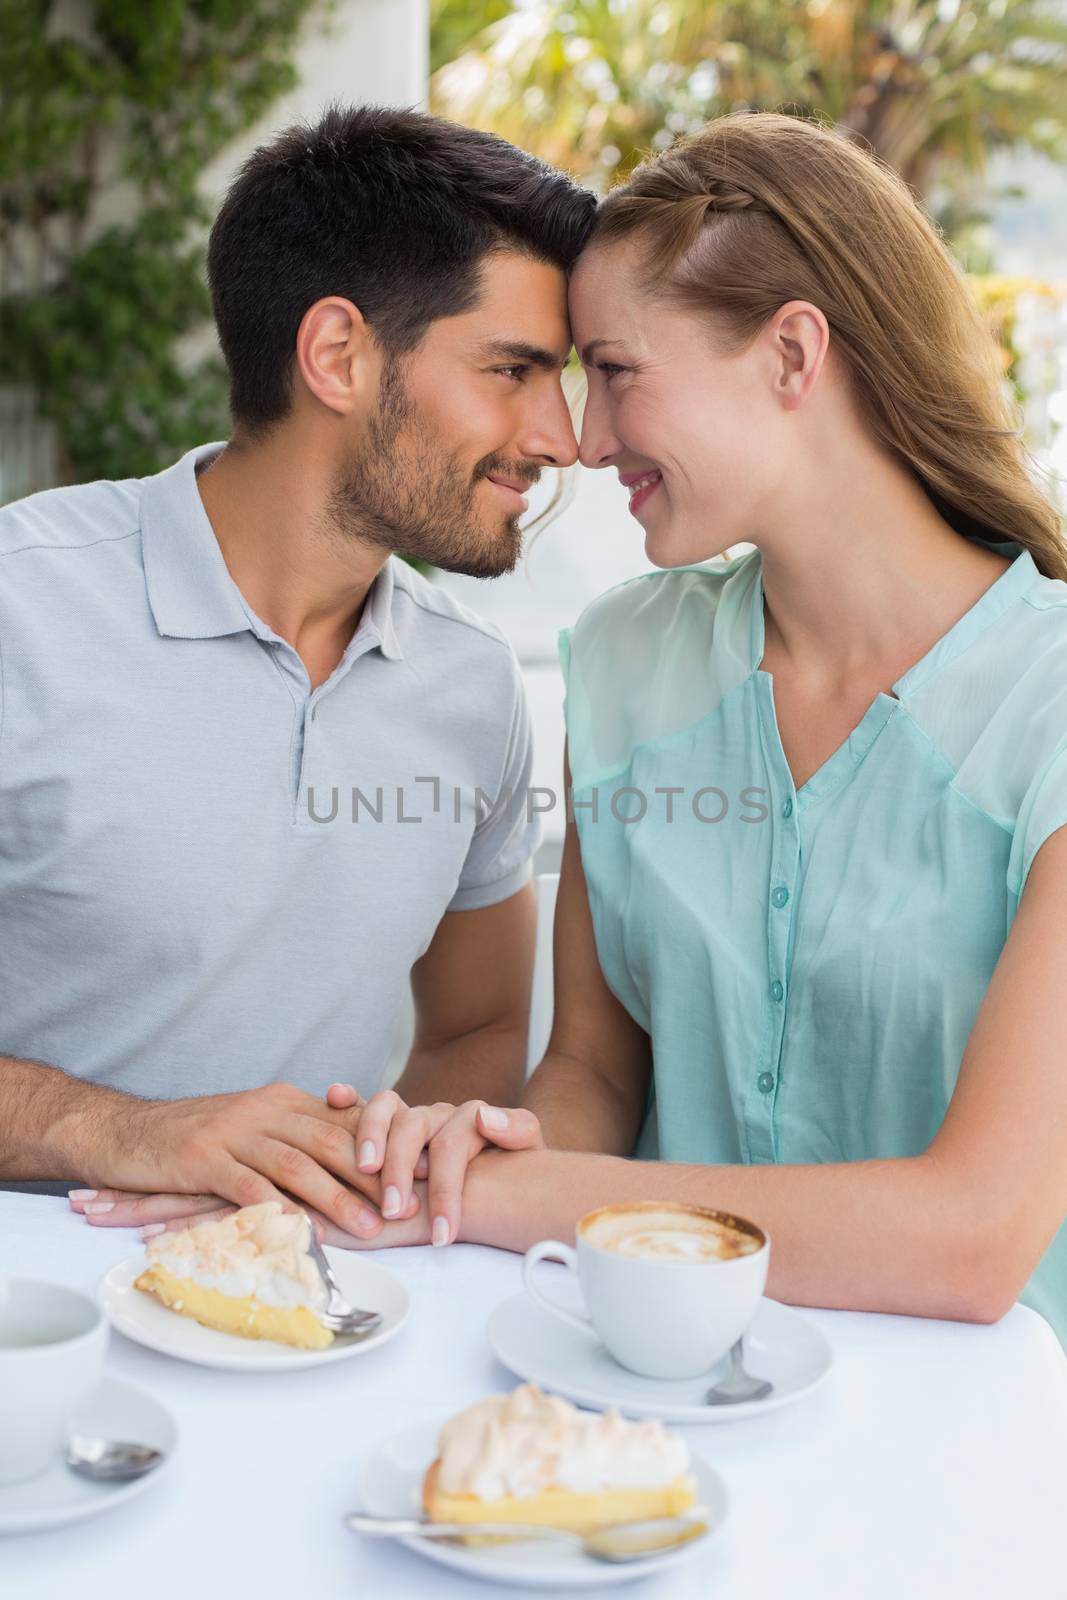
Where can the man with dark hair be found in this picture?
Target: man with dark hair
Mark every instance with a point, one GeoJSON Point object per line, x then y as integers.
{"type": "Point", "coordinates": [255, 770]}
{"type": "Point", "coordinates": [418, 223]}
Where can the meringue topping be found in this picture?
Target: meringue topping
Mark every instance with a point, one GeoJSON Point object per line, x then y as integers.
{"type": "Point", "coordinates": [526, 1441]}
{"type": "Point", "coordinates": [260, 1250]}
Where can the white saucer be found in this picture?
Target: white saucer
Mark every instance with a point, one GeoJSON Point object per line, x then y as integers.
{"type": "Point", "coordinates": [118, 1411]}
{"type": "Point", "coordinates": [390, 1485]}
{"type": "Point", "coordinates": [780, 1345]}
{"type": "Point", "coordinates": [143, 1318]}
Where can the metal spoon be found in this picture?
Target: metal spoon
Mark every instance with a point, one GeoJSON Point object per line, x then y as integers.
{"type": "Point", "coordinates": [339, 1316]}
{"type": "Point", "coordinates": [626, 1541]}
{"type": "Point", "coordinates": [111, 1460]}
{"type": "Point", "coordinates": [738, 1385]}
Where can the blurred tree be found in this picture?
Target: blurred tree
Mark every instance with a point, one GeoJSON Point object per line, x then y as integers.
{"type": "Point", "coordinates": [931, 85]}
{"type": "Point", "coordinates": [454, 23]}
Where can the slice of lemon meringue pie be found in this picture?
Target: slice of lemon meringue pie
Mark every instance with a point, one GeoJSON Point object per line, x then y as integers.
{"type": "Point", "coordinates": [248, 1274]}
{"type": "Point", "coordinates": [534, 1458]}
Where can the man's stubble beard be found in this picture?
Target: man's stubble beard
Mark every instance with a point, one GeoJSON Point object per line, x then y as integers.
{"type": "Point", "coordinates": [410, 496]}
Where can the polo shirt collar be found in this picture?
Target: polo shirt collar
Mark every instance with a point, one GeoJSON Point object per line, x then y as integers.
{"type": "Point", "coordinates": [189, 586]}
{"type": "Point", "coordinates": [377, 615]}
{"type": "Point", "coordinates": [190, 590]}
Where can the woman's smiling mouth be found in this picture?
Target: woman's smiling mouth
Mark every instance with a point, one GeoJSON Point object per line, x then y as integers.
{"type": "Point", "coordinates": [641, 485]}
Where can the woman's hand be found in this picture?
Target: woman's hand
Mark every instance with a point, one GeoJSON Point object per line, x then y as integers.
{"type": "Point", "coordinates": [406, 1143]}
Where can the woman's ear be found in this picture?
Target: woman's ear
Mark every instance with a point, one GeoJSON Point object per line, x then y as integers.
{"type": "Point", "coordinates": [800, 336]}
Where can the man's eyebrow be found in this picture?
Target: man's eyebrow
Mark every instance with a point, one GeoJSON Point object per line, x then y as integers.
{"type": "Point", "coordinates": [593, 346]}
{"type": "Point", "coordinates": [517, 351]}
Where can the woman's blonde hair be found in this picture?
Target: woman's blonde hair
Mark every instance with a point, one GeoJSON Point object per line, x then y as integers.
{"type": "Point", "coordinates": [759, 209]}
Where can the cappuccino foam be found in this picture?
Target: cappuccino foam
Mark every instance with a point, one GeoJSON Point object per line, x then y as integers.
{"type": "Point", "coordinates": [668, 1235]}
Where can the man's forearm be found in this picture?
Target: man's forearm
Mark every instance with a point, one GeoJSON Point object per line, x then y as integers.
{"type": "Point", "coordinates": [487, 1064]}
{"type": "Point", "coordinates": [48, 1120]}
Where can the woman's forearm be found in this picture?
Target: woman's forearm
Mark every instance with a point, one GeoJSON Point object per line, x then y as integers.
{"type": "Point", "coordinates": [580, 1109]}
{"type": "Point", "coordinates": [890, 1236]}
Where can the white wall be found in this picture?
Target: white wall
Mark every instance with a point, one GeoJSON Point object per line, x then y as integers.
{"type": "Point", "coordinates": [365, 51]}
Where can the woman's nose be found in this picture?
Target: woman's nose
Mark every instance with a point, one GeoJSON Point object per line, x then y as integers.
{"type": "Point", "coordinates": [598, 445]}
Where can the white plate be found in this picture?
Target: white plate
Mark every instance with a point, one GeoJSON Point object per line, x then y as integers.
{"type": "Point", "coordinates": [780, 1345]}
{"type": "Point", "coordinates": [142, 1317]}
{"type": "Point", "coordinates": [390, 1485]}
{"type": "Point", "coordinates": [117, 1411]}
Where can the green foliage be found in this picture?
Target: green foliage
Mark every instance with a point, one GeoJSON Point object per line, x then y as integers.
{"type": "Point", "coordinates": [931, 85]}
{"type": "Point", "coordinates": [997, 296]}
{"type": "Point", "coordinates": [454, 23]}
{"type": "Point", "coordinates": [133, 106]}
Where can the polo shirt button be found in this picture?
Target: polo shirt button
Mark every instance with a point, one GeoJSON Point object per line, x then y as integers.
{"type": "Point", "coordinates": [787, 809]}
{"type": "Point", "coordinates": [780, 896]}
{"type": "Point", "coordinates": [776, 990]}
{"type": "Point", "coordinates": [765, 1082]}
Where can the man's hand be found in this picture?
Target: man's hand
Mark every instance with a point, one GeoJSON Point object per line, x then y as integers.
{"type": "Point", "coordinates": [398, 1145]}
{"type": "Point", "coordinates": [404, 1143]}
{"type": "Point", "coordinates": [195, 1158]}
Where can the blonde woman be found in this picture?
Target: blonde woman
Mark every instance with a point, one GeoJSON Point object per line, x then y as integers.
{"type": "Point", "coordinates": [811, 941]}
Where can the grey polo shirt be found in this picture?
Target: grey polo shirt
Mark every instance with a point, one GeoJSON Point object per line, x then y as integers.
{"type": "Point", "coordinates": [211, 876]}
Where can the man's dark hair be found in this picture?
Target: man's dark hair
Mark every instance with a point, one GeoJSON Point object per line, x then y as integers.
{"type": "Point", "coordinates": [395, 211]}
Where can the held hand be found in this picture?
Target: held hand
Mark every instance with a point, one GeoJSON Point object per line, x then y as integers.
{"type": "Point", "coordinates": [414, 1229]}
{"type": "Point", "coordinates": [405, 1143]}
{"type": "Point", "coordinates": [152, 1213]}
{"type": "Point", "coordinates": [275, 1143]}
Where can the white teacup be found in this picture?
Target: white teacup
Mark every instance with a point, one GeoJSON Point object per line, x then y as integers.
{"type": "Point", "coordinates": [52, 1345]}
{"type": "Point", "coordinates": [669, 1288]}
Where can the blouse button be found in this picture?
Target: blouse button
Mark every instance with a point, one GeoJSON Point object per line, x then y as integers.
{"type": "Point", "coordinates": [765, 1082]}
{"type": "Point", "coordinates": [787, 809]}
{"type": "Point", "coordinates": [776, 990]}
{"type": "Point", "coordinates": [780, 896]}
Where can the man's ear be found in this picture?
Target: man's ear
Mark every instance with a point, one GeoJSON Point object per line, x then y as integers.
{"type": "Point", "coordinates": [337, 355]}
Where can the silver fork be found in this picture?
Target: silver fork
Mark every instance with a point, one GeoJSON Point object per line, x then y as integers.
{"type": "Point", "coordinates": [339, 1316]}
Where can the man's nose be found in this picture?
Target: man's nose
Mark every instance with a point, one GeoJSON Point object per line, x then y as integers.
{"type": "Point", "coordinates": [549, 436]}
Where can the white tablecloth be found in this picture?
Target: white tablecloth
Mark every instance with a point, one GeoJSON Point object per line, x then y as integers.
{"type": "Point", "coordinates": [933, 1462]}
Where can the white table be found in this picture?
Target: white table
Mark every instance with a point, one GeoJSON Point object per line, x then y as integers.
{"type": "Point", "coordinates": [932, 1463]}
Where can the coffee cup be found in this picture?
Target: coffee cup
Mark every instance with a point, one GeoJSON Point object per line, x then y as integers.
{"type": "Point", "coordinates": [668, 1288]}
{"type": "Point", "coordinates": [52, 1345]}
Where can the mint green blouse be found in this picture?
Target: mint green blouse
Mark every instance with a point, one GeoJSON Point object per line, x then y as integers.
{"type": "Point", "coordinates": [808, 963]}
